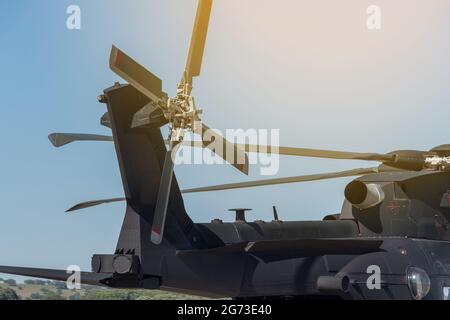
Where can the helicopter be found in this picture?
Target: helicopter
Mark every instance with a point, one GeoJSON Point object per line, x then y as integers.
{"type": "Point", "coordinates": [395, 217]}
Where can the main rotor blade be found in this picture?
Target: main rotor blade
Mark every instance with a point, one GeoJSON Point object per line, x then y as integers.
{"type": "Point", "coordinates": [139, 77]}
{"type": "Point", "coordinates": [92, 278]}
{"type": "Point", "coordinates": [269, 182]}
{"type": "Point", "coordinates": [61, 139]}
{"type": "Point", "coordinates": [198, 40]}
{"type": "Point", "coordinates": [315, 177]}
{"type": "Point", "coordinates": [159, 219]}
{"type": "Point", "coordinates": [90, 204]}
{"type": "Point", "coordinates": [223, 147]}
{"type": "Point", "coordinates": [316, 153]}
{"type": "Point", "coordinates": [303, 152]}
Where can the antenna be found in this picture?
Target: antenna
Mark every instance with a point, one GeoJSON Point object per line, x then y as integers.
{"type": "Point", "coordinates": [275, 214]}
{"type": "Point", "coordinates": [240, 214]}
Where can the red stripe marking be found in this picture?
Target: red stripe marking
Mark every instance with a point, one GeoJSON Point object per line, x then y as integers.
{"type": "Point", "coordinates": [157, 231]}
{"type": "Point", "coordinates": [394, 205]}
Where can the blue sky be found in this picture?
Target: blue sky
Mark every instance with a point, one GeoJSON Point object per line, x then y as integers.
{"type": "Point", "coordinates": [308, 68]}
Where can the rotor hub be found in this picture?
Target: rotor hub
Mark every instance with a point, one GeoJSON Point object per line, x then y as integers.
{"type": "Point", "coordinates": [438, 163]}
{"type": "Point", "coordinates": [182, 113]}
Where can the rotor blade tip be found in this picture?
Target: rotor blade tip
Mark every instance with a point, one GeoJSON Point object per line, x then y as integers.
{"type": "Point", "coordinates": [54, 139]}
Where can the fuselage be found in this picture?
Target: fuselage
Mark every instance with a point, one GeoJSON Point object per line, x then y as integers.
{"type": "Point", "coordinates": [411, 222]}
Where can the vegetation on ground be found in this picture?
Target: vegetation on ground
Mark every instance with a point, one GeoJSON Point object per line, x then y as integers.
{"type": "Point", "coordinates": [55, 290]}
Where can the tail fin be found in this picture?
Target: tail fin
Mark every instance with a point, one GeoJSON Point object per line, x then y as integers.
{"type": "Point", "coordinates": [141, 152]}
